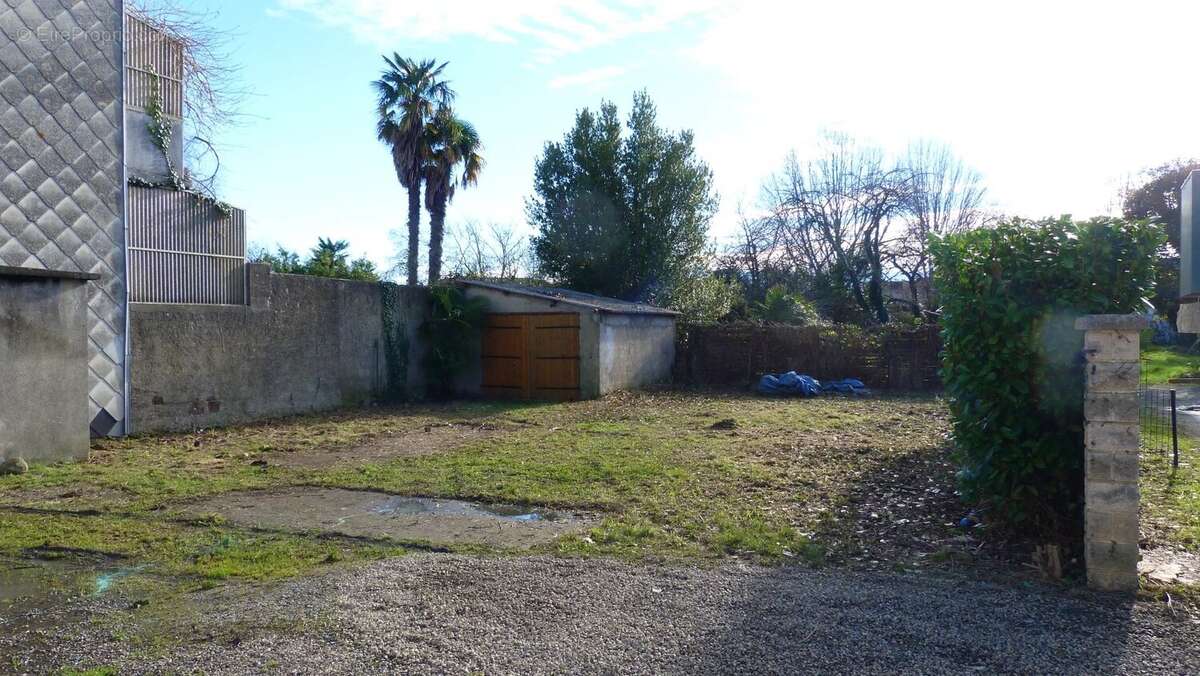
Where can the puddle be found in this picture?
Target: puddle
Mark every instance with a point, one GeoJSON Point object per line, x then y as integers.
{"type": "Point", "coordinates": [22, 580]}
{"type": "Point", "coordinates": [381, 515]}
{"type": "Point", "coordinates": [430, 506]}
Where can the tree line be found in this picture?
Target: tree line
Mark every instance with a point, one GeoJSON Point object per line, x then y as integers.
{"type": "Point", "coordinates": [622, 207]}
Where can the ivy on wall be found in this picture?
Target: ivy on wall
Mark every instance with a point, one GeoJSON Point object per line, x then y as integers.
{"type": "Point", "coordinates": [161, 130]}
{"type": "Point", "coordinates": [395, 343]}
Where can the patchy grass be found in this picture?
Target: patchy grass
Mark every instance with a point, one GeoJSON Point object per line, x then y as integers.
{"type": "Point", "coordinates": [208, 553]}
{"type": "Point", "coordinates": [1160, 363]}
{"type": "Point", "coordinates": [1171, 497]}
{"type": "Point", "coordinates": [830, 478]}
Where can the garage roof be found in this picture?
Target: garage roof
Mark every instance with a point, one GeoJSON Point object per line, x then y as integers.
{"type": "Point", "coordinates": [570, 297]}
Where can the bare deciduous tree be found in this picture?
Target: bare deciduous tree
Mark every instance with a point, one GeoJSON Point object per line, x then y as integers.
{"type": "Point", "coordinates": [834, 211]}
{"type": "Point", "coordinates": [946, 197]}
{"type": "Point", "coordinates": [857, 219]}
{"type": "Point", "coordinates": [495, 253]}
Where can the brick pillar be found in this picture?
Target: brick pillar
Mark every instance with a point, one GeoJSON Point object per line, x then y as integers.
{"type": "Point", "coordinates": [1111, 438]}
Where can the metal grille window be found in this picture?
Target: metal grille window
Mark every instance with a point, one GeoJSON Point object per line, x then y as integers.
{"type": "Point", "coordinates": [182, 249]}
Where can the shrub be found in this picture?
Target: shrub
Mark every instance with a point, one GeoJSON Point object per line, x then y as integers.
{"type": "Point", "coordinates": [1011, 364]}
{"type": "Point", "coordinates": [452, 335]}
{"type": "Point", "coordinates": [781, 307]}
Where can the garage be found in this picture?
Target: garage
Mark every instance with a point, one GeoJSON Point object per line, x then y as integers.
{"type": "Point", "coordinates": [546, 343]}
{"type": "Point", "coordinates": [531, 356]}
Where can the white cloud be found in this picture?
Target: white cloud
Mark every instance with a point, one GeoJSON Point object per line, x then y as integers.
{"type": "Point", "coordinates": [552, 28]}
{"type": "Point", "coordinates": [1052, 101]}
{"type": "Point", "coordinates": [588, 77]}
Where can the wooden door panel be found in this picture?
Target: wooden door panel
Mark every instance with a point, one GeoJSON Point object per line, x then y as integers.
{"type": "Point", "coordinates": [558, 342]}
{"type": "Point", "coordinates": [531, 356]}
{"type": "Point", "coordinates": [503, 341]}
{"type": "Point", "coordinates": [557, 374]}
{"type": "Point", "coordinates": [503, 372]}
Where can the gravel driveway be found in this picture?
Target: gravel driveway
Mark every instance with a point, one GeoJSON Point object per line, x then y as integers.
{"type": "Point", "coordinates": [443, 613]}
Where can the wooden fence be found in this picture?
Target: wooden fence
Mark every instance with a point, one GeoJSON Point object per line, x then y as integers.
{"type": "Point", "coordinates": [738, 354]}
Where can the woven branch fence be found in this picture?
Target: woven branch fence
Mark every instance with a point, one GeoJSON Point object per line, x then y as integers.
{"type": "Point", "coordinates": [738, 354]}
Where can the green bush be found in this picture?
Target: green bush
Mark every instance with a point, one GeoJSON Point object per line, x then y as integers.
{"type": "Point", "coordinates": [1012, 363]}
{"type": "Point", "coordinates": [781, 307]}
{"type": "Point", "coordinates": [452, 335]}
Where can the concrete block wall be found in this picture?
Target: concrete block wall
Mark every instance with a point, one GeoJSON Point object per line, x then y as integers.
{"type": "Point", "coordinates": [304, 344]}
{"type": "Point", "coordinates": [1111, 440]}
{"type": "Point", "coordinates": [43, 356]}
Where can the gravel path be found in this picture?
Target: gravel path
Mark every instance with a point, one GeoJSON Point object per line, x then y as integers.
{"type": "Point", "coordinates": [442, 613]}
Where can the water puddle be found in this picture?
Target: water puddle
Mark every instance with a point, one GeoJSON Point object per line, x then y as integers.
{"type": "Point", "coordinates": [400, 505]}
{"type": "Point", "coordinates": [396, 517]}
{"type": "Point", "coordinates": [22, 580]}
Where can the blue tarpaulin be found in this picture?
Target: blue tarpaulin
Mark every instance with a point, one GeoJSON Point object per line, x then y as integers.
{"type": "Point", "coordinates": [796, 385]}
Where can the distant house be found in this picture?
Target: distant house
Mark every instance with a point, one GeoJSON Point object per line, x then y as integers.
{"type": "Point", "coordinates": [553, 343]}
{"type": "Point", "coordinates": [901, 291]}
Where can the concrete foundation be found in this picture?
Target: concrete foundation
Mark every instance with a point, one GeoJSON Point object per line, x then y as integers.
{"type": "Point", "coordinates": [1111, 440]}
{"type": "Point", "coordinates": [44, 364]}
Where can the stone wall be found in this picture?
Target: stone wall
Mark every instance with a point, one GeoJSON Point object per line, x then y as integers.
{"type": "Point", "coordinates": [303, 344]}
{"type": "Point", "coordinates": [61, 175]}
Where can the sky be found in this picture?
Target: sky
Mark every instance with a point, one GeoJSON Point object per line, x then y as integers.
{"type": "Point", "coordinates": [1057, 104]}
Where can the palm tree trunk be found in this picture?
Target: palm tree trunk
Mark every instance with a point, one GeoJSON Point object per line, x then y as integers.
{"type": "Point", "coordinates": [437, 223]}
{"type": "Point", "coordinates": [414, 232]}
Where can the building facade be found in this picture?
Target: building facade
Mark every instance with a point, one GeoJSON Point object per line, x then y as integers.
{"type": "Point", "coordinates": [62, 175]}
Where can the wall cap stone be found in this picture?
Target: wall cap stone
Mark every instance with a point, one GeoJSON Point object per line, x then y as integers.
{"type": "Point", "coordinates": [1112, 323]}
{"type": "Point", "coordinates": [14, 271]}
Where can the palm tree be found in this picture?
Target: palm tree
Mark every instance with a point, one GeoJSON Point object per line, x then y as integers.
{"type": "Point", "coordinates": [328, 258]}
{"type": "Point", "coordinates": [452, 145]}
{"type": "Point", "coordinates": [410, 95]}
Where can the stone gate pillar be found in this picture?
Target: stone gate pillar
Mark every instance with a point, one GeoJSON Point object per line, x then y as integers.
{"type": "Point", "coordinates": [1111, 439]}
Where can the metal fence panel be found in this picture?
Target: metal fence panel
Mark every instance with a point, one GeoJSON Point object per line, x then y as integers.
{"type": "Point", "coordinates": [150, 53]}
{"type": "Point", "coordinates": [182, 249]}
{"type": "Point", "coordinates": [1159, 430]}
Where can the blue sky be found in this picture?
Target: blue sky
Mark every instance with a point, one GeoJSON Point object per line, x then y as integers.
{"type": "Point", "coordinates": [1055, 103]}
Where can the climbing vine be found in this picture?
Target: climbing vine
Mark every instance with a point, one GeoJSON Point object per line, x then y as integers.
{"type": "Point", "coordinates": [161, 130]}
{"type": "Point", "coordinates": [395, 343]}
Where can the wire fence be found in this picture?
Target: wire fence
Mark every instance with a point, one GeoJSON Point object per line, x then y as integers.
{"type": "Point", "coordinates": [1159, 421]}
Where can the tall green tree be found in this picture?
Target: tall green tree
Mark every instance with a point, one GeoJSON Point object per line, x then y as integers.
{"type": "Point", "coordinates": [410, 94]}
{"type": "Point", "coordinates": [1157, 197]}
{"type": "Point", "coordinates": [452, 159]}
{"type": "Point", "coordinates": [619, 210]}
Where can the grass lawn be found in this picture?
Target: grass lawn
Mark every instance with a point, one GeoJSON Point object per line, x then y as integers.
{"type": "Point", "coordinates": [1171, 496]}
{"type": "Point", "coordinates": [664, 475]}
{"type": "Point", "coordinates": [1160, 363]}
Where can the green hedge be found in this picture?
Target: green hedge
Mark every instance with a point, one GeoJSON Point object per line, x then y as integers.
{"type": "Point", "coordinates": [1012, 363]}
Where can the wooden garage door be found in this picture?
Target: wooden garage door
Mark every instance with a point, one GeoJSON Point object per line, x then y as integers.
{"type": "Point", "coordinates": [531, 356]}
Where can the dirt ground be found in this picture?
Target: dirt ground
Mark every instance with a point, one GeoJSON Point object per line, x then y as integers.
{"type": "Point", "coordinates": [225, 550]}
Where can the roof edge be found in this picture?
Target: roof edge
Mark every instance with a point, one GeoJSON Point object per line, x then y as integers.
{"type": "Point", "coordinates": [529, 292]}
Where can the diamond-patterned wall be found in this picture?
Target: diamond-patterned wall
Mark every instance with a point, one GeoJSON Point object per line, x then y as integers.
{"type": "Point", "coordinates": [61, 158]}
